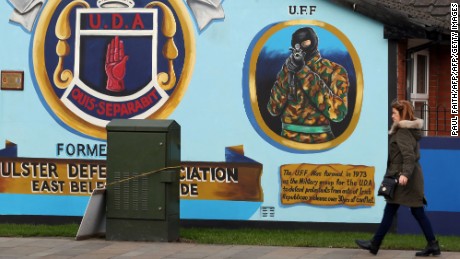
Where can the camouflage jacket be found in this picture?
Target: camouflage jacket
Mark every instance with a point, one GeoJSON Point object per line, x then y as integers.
{"type": "Point", "coordinates": [308, 100]}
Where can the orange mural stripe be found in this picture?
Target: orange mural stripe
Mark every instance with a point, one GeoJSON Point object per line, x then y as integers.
{"type": "Point", "coordinates": [199, 180]}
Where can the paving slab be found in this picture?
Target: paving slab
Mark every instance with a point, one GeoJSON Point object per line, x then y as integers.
{"type": "Point", "coordinates": [64, 248]}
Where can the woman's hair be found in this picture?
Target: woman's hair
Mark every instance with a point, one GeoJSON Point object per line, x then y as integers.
{"type": "Point", "coordinates": [405, 109]}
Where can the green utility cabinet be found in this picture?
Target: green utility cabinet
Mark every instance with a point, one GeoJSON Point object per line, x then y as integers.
{"type": "Point", "coordinates": [142, 204]}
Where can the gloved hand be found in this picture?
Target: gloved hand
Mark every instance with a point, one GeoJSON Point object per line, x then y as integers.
{"type": "Point", "coordinates": [115, 65]}
{"type": "Point", "coordinates": [295, 62]}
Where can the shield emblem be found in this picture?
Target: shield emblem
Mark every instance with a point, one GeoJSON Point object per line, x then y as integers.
{"type": "Point", "coordinates": [95, 64]}
{"type": "Point", "coordinates": [115, 65]}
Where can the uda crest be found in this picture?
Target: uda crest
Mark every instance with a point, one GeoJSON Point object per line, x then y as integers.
{"type": "Point", "coordinates": [99, 60]}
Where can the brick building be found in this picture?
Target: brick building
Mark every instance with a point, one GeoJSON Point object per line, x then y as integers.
{"type": "Point", "coordinates": [419, 54]}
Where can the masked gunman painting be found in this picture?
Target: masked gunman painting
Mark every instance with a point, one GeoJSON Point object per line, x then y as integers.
{"type": "Point", "coordinates": [309, 86]}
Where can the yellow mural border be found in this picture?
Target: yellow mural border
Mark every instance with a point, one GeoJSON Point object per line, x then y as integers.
{"type": "Point", "coordinates": [70, 118]}
{"type": "Point", "coordinates": [253, 94]}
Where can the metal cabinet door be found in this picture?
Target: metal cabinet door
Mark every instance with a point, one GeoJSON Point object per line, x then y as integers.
{"type": "Point", "coordinates": [131, 154]}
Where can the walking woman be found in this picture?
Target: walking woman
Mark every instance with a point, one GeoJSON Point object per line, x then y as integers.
{"type": "Point", "coordinates": [403, 162]}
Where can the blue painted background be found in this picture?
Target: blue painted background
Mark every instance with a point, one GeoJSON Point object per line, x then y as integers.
{"type": "Point", "coordinates": [212, 114]}
{"type": "Point", "coordinates": [439, 159]}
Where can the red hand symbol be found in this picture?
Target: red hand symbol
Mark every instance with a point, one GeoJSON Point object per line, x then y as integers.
{"type": "Point", "coordinates": [115, 65]}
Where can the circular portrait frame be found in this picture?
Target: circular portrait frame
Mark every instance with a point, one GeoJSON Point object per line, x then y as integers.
{"type": "Point", "coordinates": [253, 92]}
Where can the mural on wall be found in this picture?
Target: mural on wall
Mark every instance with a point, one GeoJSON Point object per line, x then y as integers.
{"type": "Point", "coordinates": [304, 89]}
{"type": "Point", "coordinates": [327, 185]}
{"type": "Point", "coordinates": [51, 176]}
{"type": "Point", "coordinates": [236, 179]}
{"type": "Point", "coordinates": [95, 61]}
{"type": "Point", "coordinates": [289, 88]}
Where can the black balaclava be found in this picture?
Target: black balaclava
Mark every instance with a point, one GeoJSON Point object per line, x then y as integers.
{"type": "Point", "coordinates": [304, 34]}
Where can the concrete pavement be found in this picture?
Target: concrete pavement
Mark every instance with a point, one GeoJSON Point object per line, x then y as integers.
{"type": "Point", "coordinates": [57, 248]}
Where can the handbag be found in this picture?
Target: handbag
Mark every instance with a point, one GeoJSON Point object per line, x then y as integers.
{"type": "Point", "coordinates": [387, 187]}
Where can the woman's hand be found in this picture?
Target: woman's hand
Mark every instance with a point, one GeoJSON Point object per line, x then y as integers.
{"type": "Point", "coordinates": [403, 180]}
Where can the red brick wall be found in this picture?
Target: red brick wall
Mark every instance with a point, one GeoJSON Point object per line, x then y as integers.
{"type": "Point", "coordinates": [402, 78]}
{"type": "Point", "coordinates": [439, 90]}
{"type": "Point", "coordinates": [439, 86]}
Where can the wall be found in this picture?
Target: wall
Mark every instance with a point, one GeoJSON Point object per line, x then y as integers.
{"type": "Point", "coordinates": [225, 71]}
{"type": "Point", "coordinates": [438, 161]}
{"type": "Point", "coordinates": [439, 86]}
{"type": "Point", "coordinates": [440, 91]}
{"type": "Point", "coordinates": [402, 70]}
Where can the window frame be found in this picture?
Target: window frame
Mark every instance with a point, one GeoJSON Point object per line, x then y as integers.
{"type": "Point", "coordinates": [414, 95]}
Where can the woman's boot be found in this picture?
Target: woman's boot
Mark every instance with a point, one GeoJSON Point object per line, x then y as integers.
{"type": "Point", "coordinates": [370, 245]}
{"type": "Point", "coordinates": [431, 248]}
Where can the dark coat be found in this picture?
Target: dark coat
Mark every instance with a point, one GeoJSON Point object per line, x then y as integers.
{"type": "Point", "coordinates": [403, 158]}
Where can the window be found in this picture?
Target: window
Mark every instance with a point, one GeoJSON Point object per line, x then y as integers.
{"type": "Point", "coordinates": [420, 85]}
{"type": "Point", "coordinates": [420, 75]}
